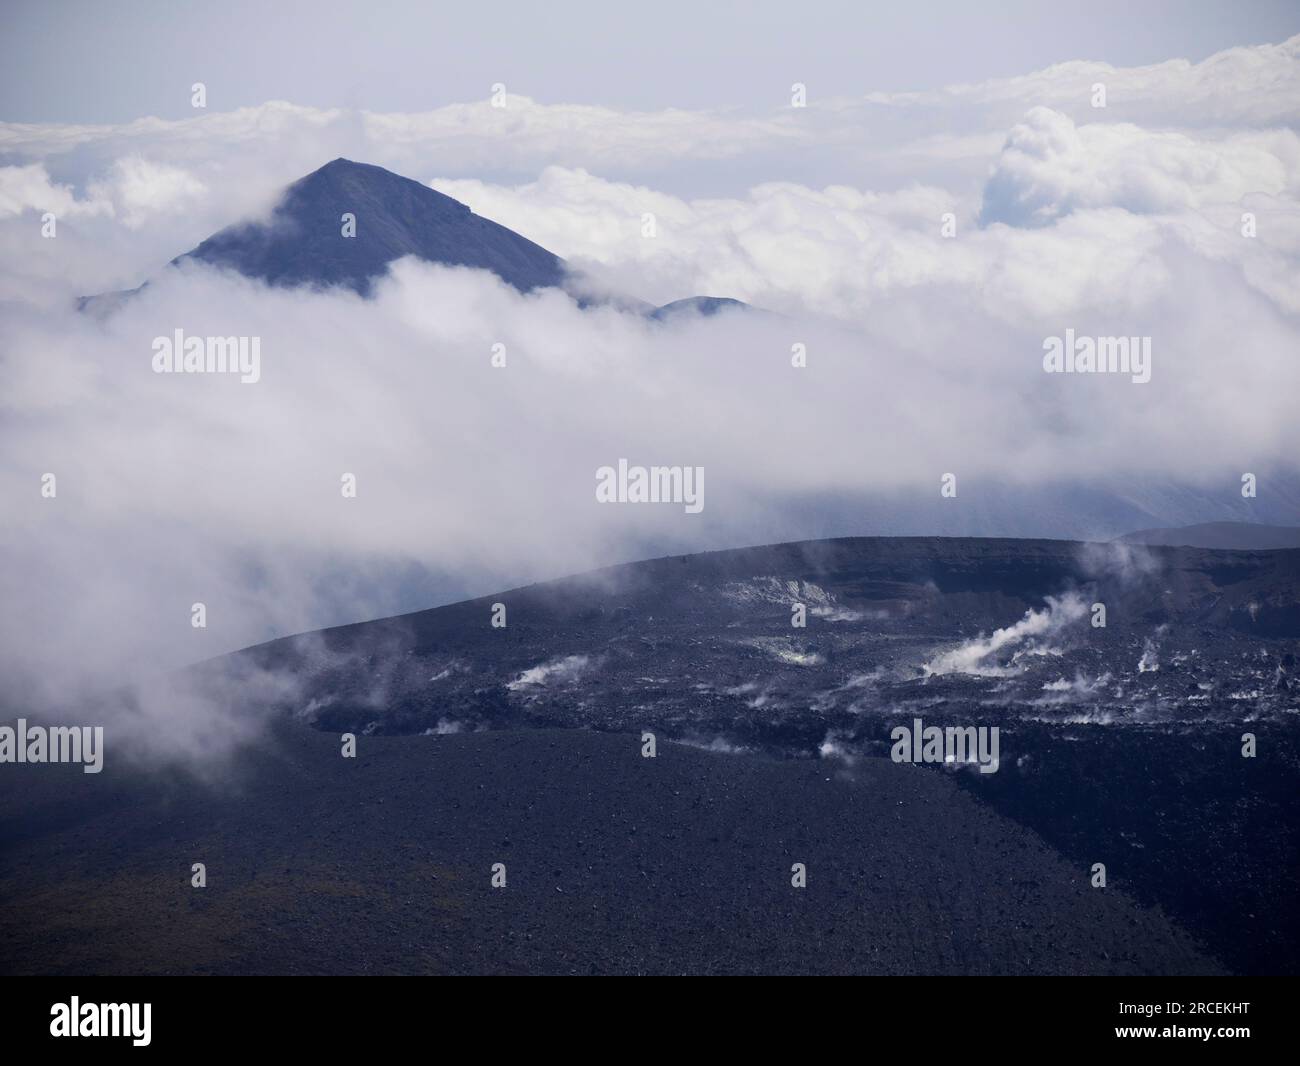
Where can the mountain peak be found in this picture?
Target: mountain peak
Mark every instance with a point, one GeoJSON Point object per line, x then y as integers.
{"type": "Point", "coordinates": [305, 241]}
{"type": "Point", "coordinates": [345, 222]}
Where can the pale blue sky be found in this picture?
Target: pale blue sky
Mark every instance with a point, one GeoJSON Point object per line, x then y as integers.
{"type": "Point", "coordinates": [110, 61]}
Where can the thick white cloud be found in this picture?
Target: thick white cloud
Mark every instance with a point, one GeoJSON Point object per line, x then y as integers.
{"type": "Point", "coordinates": [1244, 86]}
{"type": "Point", "coordinates": [244, 154]}
{"type": "Point", "coordinates": [1108, 206]}
{"type": "Point", "coordinates": [134, 190]}
{"type": "Point", "coordinates": [29, 188]}
{"type": "Point", "coordinates": [1049, 167]}
{"type": "Point", "coordinates": [175, 489]}
{"type": "Point", "coordinates": [140, 189]}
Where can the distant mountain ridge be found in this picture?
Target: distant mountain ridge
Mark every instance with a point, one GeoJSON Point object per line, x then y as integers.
{"type": "Point", "coordinates": [1234, 536]}
{"type": "Point", "coordinates": [303, 243]}
{"type": "Point", "coordinates": [706, 306]}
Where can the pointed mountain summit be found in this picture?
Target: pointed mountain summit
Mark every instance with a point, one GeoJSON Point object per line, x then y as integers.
{"type": "Point", "coordinates": [302, 244]}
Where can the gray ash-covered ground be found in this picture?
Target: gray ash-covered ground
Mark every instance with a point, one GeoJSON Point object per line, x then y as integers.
{"type": "Point", "coordinates": [1120, 745]}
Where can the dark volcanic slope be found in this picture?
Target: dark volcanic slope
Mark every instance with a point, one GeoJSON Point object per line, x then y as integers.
{"type": "Point", "coordinates": [673, 642]}
{"type": "Point", "coordinates": [395, 217]}
{"type": "Point", "coordinates": [615, 864]}
{"type": "Point", "coordinates": [1120, 745]}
